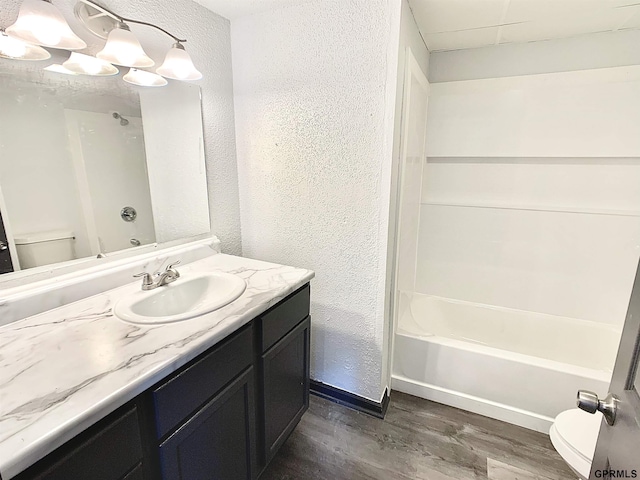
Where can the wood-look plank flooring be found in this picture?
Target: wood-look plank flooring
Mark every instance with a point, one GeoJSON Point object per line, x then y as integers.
{"type": "Point", "coordinates": [418, 439]}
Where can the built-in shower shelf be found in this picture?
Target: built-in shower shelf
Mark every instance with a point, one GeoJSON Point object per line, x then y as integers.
{"type": "Point", "coordinates": [540, 208]}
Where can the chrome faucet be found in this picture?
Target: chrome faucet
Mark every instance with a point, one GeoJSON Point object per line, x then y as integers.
{"type": "Point", "coordinates": [149, 282]}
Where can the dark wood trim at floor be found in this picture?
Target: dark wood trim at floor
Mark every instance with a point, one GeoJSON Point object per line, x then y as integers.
{"type": "Point", "coordinates": [351, 400]}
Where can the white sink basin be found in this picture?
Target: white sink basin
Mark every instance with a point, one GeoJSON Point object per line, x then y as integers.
{"type": "Point", "coordinates": [186, 298]}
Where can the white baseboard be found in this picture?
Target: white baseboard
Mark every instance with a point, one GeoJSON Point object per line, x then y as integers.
{"type": "Point", "coordinates": [481, 406]}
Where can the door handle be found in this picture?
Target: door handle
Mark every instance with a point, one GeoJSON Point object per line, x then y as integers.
{"type": "Point", "coordinates": [589, 402]}
{"type": "Point", "coordinates": [3, 246]}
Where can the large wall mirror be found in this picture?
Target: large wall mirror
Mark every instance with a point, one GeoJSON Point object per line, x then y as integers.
{"type": "Point", "coordinates": [90, 166]}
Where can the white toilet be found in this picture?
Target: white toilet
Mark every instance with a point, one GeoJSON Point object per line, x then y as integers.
{"type": "Point", "coordinates": [574, 435]}
{"type": "Point", "coordinates": [44, 248]}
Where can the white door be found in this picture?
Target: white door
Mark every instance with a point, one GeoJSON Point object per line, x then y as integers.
{"type": "Point", "coordinates": [618, 450]}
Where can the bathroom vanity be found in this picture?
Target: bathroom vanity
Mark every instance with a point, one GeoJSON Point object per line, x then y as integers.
{"type": "Point", "coordinates": [211, 397]}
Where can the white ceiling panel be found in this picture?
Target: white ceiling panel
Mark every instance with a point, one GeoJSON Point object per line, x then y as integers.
{"type": "Point", "coordinates": [478, 37]}
{"type": "Point", "coordinates": [634, 20]}
{"type": "Point", "coordinates": [438, 16]}
{"type": "Point", "coordinates": [459, 24]}
{"type": "Point", "coordinates": [542, 10]}
{"type": "Point", "coordinates": [562, 26]}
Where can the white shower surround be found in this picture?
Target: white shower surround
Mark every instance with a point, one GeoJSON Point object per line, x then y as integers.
{"type": "Point", "coordinates": [314, 92]}
{"type": "Point", "coordinates": [517, 366]}
{"type": "Point", "coordinates": [189, 215]}
{"type": "Point", "coordinates": [518, 271]}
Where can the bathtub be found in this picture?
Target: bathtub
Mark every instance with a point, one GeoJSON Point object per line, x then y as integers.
{"type": "Point", "coordinates": [520, 367]}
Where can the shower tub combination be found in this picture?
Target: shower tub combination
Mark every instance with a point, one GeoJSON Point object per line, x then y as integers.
{"type": "Point", "coordinates": [517, 366]}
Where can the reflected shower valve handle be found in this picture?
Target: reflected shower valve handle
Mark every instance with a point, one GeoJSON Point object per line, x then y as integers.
{"type": "Point", "coordinates": [128, 214]}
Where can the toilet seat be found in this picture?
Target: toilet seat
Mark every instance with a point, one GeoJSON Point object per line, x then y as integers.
{"type": "Point", "coordinates": [574, 435]}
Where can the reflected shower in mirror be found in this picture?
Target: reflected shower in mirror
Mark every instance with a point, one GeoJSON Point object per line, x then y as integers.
{"type": "Point", "coordinates": [89, 167]}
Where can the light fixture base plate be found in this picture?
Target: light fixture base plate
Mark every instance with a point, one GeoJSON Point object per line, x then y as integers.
{"type": "Point", "coordinates": [97, 21]}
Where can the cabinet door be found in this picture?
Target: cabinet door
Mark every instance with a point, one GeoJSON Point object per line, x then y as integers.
{"type": "Point", "coordinates": [135, 474]}
{"type": "Point", "coordinates": [286, 387]}
{"type": "Point", "coordinates": [106, 451]}
{"type": "Point", "coordinates": [185, 392]}
{"type": "Point", "coordinates": [218, 442]}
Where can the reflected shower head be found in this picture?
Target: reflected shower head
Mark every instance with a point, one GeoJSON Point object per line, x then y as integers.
{"type": "Point", "coordinates": [123, 121]}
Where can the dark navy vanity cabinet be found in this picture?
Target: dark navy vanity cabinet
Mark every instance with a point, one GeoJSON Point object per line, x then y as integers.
{"type": "Point", "coordinates": [218, 441]}
{"type": "Point", "coordinates": [283, 366]}
{"type": "Point", "coordinates": [111, 449]}
{"type": "Point", "coordinates": [223, 416]}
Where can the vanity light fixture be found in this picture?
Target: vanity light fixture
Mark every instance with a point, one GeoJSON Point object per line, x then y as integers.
{"type": "Point", "coordinates": [178, 65]}
{"type": "Point", "coordinates": [18, 50]}
{"type": "Point", "coordinates": [123, 48]}
{"type": "Point", "coordinates": [142, 78]}
{"type": "Point", "coordinates": [41, 23]}
{"type": "Point", "coordinates": [87, 65]}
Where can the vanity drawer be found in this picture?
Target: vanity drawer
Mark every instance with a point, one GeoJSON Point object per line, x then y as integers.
{"type": "Point", "coordinates": [195, 384]}
{"type": "Point", "coordinates": [282, 318]}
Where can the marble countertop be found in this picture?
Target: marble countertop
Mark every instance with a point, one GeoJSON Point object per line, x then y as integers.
{"type": "Point", "coordinates": [63, 370]}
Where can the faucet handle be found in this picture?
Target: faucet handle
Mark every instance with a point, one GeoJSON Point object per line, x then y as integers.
{"type": "Point", "coordinates": [170, 271]}
{"type": "Point", "coordinates": [171, 265]}
{"type": "Point", "coordinates": [147, 280]}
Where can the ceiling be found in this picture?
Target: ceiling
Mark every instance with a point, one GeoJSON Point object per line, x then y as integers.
{"type": "Point", "coordinates": [459, 24]}
{"type": "Point", "coordinates": [239, 8]}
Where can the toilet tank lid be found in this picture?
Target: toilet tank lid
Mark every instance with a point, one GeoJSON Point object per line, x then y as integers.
{"type": "Point", "coordinates": [39, 237]}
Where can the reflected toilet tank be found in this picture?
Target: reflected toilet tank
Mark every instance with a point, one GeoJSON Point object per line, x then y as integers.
{"type": "Point", "coordinates": [44, 248]}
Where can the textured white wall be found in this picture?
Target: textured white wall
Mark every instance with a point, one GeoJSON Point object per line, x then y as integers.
{"type": "Point", "coordinates": [209, 45]}
{"type": "Point", "coordinates": [315, 97]}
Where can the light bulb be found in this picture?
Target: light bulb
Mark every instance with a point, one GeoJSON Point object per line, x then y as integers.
{"type": "Point", "coordinates": [11, 47]}
{"type": "Point", "coordinates": [87, 65]}
{"type": "Point", "coordinates": [178, 65]}
{"type": "Point", "coordinates": [123, 48]}
{"type": "Point", "coordinates": [181, 71]}
{"type": "Point", "coordinates": [18, 50]}
{"type": "Point", "coordinates": [144, 79]}
{"type": "Point", "coordinates": [40, 23]}
{"type": "Point", "coordinates": [93, 68]}
{"type": "Point", "coordinates": [125, 58]}
{"type": "Point", "coordinates": [57, 68]}
{"type": "Point", "coordinates": [44, 32]}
